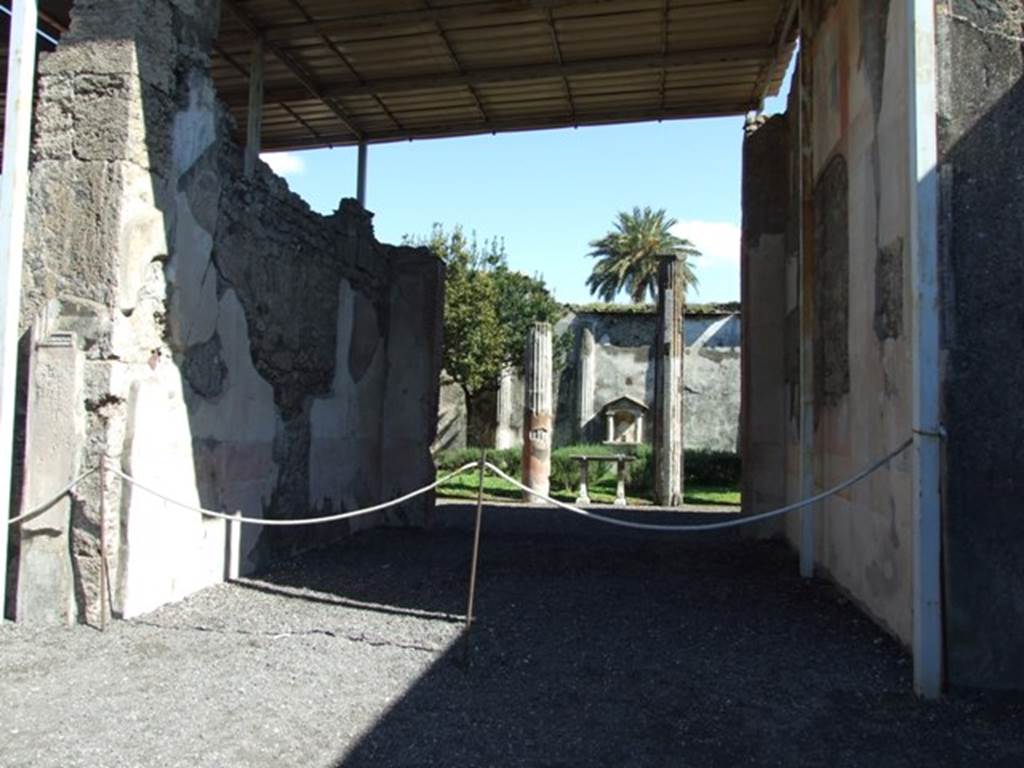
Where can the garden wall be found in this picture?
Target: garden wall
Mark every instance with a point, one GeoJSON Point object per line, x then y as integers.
{"type": "Point", "coordinates": [603, 355]}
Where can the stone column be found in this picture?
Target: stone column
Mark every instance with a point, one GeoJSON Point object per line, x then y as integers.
{"type": "Point", "coordinates": [504, 434]}
{"type": "Point", "coordinates": [668, 384]}
{"type": "Point", "coordinates": [537, 411]}
{"type": "Point", "coordinates": [586, 383]}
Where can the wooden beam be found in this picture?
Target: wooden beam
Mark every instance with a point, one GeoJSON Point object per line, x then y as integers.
{"type": "Point", "coordinates": [254, 123]}
{"type": "Point", "coordinates": [432, 82]}
{"type": "Point", "coordinates": [304, 78]}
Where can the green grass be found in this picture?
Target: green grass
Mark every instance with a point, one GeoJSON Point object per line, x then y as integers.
{"type": "Point", "coordinates": [602, 491]}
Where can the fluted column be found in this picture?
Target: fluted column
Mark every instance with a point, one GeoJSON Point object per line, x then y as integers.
{"type": "Point", "coordinates": [537, 411]}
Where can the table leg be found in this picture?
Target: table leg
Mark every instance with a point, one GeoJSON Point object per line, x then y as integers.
{"type": "Point", "coordinates": [583, 498]}
{"type": "Point", "coordinates": [620, 485]}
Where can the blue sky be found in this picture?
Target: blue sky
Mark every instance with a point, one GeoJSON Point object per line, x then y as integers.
{"type": "Point", "coordinates": [549, 193]}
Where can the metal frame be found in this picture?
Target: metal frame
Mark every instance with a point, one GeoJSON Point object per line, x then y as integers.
{"type": "Point", "coordinates": [923, 193]}
{"type": "Point", "coordinates": [21, 57]}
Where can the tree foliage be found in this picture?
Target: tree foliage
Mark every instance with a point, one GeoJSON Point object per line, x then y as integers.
{"type": "Point", "coordinates": [628, 255]}
{"type": "Point", "coordinates": [488, 308]}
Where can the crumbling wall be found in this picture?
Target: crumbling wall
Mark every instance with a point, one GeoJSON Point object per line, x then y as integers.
{"type": "Point", "coordinates": [981, 144]}
{"type": "Point", "coordinates": [241, 352]}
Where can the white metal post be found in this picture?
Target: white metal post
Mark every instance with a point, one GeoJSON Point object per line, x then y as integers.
{"type": "Point", "coordinates": [805, 289]}
{"type": "Point", "coordinates": [21, 63]}
{"type": "Point", "coordinates": [361, 175]}
{"type": "Point", "coordinates": [923, 228]}
{"type": "Point", "coordinates": [254, 125]}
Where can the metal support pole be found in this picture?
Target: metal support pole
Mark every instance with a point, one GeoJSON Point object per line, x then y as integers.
{"type": "Point", "coordinates": [361, 175]}
{"type": "Point", "coordinates": [104, 581]}
{"type": "Point", "coordinates": [927, 371]}
{"type": "Point", "coordinates": [254, 124]}
{"type": "Point", "coordinates": [21, 58]}
{"type": "Point", "coordinates": [476, 549]}
{"type": "Point", "coordinates": [806, 292]}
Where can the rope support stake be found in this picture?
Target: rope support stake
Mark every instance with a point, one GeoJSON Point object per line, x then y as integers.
{"type": "Point", "coordinates": [476, 549]}
{"type": "Point", "coordinates": [104, 580]}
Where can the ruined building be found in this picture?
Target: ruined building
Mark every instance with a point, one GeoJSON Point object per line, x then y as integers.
{"type": "Point", "coordinates": [196, 326]}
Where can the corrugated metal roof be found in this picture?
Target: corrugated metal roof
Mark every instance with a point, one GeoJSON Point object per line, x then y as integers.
{"type": "Point", "coordinates": [387, 70]}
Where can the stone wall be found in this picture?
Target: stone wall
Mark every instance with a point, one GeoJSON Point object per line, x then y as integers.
{"type": "Point", "coordinates": [608, 355]}
{"type": "Point", "coordinates": [981, 144]}
{"type": "Point", "coordinates": [763, 251]}
{"type": "Point", "coordinates": [240, 352]}
{"type": "Point", "coordinates": [623, 365]}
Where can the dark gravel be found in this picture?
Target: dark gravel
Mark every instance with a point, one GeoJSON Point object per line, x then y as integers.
{"type": "Point", "coordinates": [600, 651]}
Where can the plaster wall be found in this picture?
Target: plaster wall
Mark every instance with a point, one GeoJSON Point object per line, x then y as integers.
{"type": "Point", "coordinates": [854, 141]}
{"type": "Point", "coordinates": [621, 358]}
{"type": "Point", "coordinates": [863, 396]}
{"type": "Point", "coordinates": [765, 199]}
{"type": "Point", "coordinates": [241, 352]}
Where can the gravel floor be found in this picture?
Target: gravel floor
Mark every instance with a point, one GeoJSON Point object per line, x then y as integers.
{"type": "Point", "coordinates": [605, 651]}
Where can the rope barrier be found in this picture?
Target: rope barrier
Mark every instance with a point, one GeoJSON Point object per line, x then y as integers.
{"type": "Point", "coordinates": [299, 520]}
{"type": "Point", "coordinates": [666, 528]}
{"type": "Point", "coordinates": [38, 510]}
{"type": "Point", "coordinates": [663, 527]}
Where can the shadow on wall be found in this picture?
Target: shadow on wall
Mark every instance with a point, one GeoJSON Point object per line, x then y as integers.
{"type": "Point", "coordinates": [238, 350]}
{"type": "Point", "coordinates": [981, 144]}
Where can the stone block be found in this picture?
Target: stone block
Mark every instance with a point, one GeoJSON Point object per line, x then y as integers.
{"type": "Point", "coordinates": [55, 435]}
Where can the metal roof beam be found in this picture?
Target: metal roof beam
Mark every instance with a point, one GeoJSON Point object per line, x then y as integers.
{"type": "Point", "coordinates": [505, 126]}
{"type": "Point", "coordinates": [458, 13]}
{"type": "Point", "coordinates": [343, 58]}
{"type": "Point", "coordinates": [311, 86]}
{"type": "Point", "coordinates": [246, 73]}
{"type": "Point", "coordinates": [618, 65]}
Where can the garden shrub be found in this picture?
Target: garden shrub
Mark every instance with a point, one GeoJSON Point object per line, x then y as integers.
{"type": "Point", "coordinates": [706, 468]}
{"type": "Point", "coordinates": [722, 468]}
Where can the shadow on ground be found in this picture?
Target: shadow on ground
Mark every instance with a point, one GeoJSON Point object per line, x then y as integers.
{"type": "Point", "coordinates": [593, 647]}
{"type": "Point", "coordinates": [631, 650]}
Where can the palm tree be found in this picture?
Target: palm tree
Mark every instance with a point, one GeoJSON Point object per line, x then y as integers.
{"type": "Point", "coordinates": [628, 256]}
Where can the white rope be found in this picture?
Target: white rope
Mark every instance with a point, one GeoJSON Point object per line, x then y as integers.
{"type": "Point", "coordinates": [461, 470]}
{"type": "Point", "coordinates": [38, 510]}
{"type": "Point", "coordinates": [708, 526]}
{"type": "Point", "coordinates": [298, 520]}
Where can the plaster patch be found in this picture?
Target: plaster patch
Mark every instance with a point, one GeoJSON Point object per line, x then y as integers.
{"type": "Point", "coordinates": [195, 128]}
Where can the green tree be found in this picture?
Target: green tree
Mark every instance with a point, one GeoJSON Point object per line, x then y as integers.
{"type": "Point", "coordinates": [628, 256]}
{"type": "Point", "coordinates": [488, 310]}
